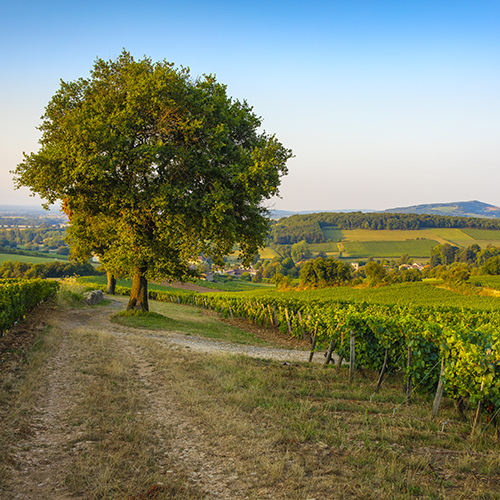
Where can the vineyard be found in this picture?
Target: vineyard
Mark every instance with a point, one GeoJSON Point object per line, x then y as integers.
{"type": "Point", "coordinates": [19, 296]}
{"type": "Point", "coordinates": [454, 348]}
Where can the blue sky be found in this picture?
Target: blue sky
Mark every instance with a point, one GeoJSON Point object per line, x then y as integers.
{"type": "Point", "coordinates": [384, 103]}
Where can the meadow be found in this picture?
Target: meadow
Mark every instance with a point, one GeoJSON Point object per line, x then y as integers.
{"type": "Point", "coordinates": [4, 257]}
{"type": "Point", "coordinates": [420, 249]}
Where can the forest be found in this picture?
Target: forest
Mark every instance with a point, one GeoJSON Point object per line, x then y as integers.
{"type": "Point", "coordinates": [309, 227]}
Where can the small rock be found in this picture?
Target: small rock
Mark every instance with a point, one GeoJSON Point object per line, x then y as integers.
{"type": "Point", "coordinates": [93, 298]}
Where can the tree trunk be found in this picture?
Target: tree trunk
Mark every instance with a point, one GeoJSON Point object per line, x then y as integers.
{"type": "Point", "coordinates": [139, 294]}
{"type": "Point", "coordinates": [111, 283]}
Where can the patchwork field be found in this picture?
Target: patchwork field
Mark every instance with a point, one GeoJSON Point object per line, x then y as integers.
{"type": "Point", "coordinates": [4, 257]}
{"type": "Point", "coordinates": [388, 249]}
{"type": "Point", "coordinates": [482, 234]}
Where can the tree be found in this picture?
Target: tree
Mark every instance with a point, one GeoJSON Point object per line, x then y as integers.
{"type": "Point", "coordinates": [491, 266]}
{"type": "Point", "coordinates": [375, 272]}
{"type": "Point", "coordinates": [300, 251]}
{"type": "Point", "coordinates": [176, 165]}
{"type": "Point", "coordinates": [93, 236]}
{"type": "Point", "coordinates": [325, 272]}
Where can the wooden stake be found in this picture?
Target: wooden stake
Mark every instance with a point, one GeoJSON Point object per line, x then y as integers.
{"type": "Point", "coordinates": [352, 360]}
{"type": "Point", "coordinates": [288, 326]}
{"type": "Point", "coordinates": [479, 410]}
{"type": "Point", "coordinates": [329, 353]}
{"type": "Point", "coordinates": [276, 322]}
{"type": "Point", "coordinates": [382, 372]}
{"type": "Point", "coordinates": [313, 344]}
{"type": "Point", "coordinates": [408, 379]}
{"type": "Point", "coordinates": [439, 392]}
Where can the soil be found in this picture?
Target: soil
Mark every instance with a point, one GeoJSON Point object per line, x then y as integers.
{"type": "Point", "coordinates": [43, 453]}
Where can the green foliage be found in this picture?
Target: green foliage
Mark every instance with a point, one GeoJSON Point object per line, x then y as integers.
{"type": "Point", "coordinates": [300, 251]}
{"type": "Point", "coordinates": [324, 272]}
{"type": "Point", "coordinates": [467, 338]}
{"type": "Point", "coordinates": [172, 164]}
{"type": "Point", "coordinates": [456, 273]}
{"type": "Point", "coordinates": [375, 272]}
{"type": "Point", "coordinates": [17, 297]}
{"type": "Point", "coordinates": [491, 266]}
{"type": "Point", "coordinates": [389, 249]}
{"type": "Point", "coordinates": [57, 269]}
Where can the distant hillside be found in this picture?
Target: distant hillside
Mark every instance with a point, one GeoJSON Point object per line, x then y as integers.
{"type": "Point", "coordinates": [312, 227]}
{"type": "Point", "coordinates": [459, 209]}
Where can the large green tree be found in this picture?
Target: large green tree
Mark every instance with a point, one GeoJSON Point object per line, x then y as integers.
{"type": "Point", "coordinates": [178, 167]}
{"type": "Point", "coordinates": [325, 272]}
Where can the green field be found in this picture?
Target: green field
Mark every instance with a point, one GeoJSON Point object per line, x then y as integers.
{"type": "Point", "coordinates": [329, 247]}
{"type": "Point", "coordinates": [415, 294]}
{"type": "Point", "coordinates": [4, 257]}
{"type": "Point", "coordinates": [482, 234]}
{"type": "Point", "coordinates": [486, 281]}
{"type": "Point", "coordinates": [267, 253]}
{"type": "Point", "coordinates": [384, 235]}
{"type": "Point", "coordinates": [388, 249]}
{"type": "Point", "coordinates": [332, 233]}
{"type": "Point", "coordinates": [228, 286]}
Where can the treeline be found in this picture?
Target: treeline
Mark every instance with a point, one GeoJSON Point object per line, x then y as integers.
{"type": "Point", "coordinates": [296, 231]}
{"type": "Point", "coordinates": [33, 238]}
{"type": "Point", "coordinates": [57, 269]}
{"type": "Point", "coordinates": [308, 227]}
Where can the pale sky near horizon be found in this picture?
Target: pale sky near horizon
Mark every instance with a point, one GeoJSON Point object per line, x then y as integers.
{"type": "Point", "coordinates": [384, 103]}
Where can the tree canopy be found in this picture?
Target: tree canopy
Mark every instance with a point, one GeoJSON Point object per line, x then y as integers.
{"type": "Point", "coordinates": [325, 272]}
{"type": "Point", "coordinates": [175, 165]}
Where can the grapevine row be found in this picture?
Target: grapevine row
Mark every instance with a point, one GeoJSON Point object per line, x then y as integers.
{"type": "Point", "coordinates": [17, 297]}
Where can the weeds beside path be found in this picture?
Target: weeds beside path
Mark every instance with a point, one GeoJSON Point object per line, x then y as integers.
{"type": "Point", "coordinates": [103, 411]}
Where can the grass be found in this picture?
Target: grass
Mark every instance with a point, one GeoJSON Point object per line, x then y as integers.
{"type": "Point", "coordinates": [291, 431]}
{"type": "Point", "coordinates": [482, 234]}
{"type": "Point", "coordinates": [308, 433]}
{"type": "Point", "coordinates": [4, 257]}
{"type": "Point", "coordinates": [389, 249]}
{"type": "Point", "coordinates": [234, 285]}
{"type": "Point", "coordinates": [223, 285]}
{"type": "Point", "coordinates": [120, 455]}
{"type": "Point", "coordinates": [19, 392]}
{"type": "Point", "coordinates": [171, 317]}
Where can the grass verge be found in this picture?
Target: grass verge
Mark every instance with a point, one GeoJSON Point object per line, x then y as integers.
{"type": "Point", "coordinates": [167, 316]}
{"type": "Point", "coordinates": [305, 432]}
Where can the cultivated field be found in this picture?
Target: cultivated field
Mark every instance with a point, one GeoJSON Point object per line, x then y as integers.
{"type": "Point", "coordinates": [4, 257]}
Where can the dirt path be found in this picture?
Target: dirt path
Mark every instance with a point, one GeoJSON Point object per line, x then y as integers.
{"type": "Point", "coordinates": [45, 452]}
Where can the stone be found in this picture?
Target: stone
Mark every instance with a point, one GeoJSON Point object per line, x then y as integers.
{"type": "Point", "coordinates": [94, 297]}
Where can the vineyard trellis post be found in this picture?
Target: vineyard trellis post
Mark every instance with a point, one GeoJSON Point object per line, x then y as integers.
{"type": "Point", "coordinates": [313, 344]}
{"type": "Point", "coordinates": [329, 352]}
{"type": "Point", "coordinates": [439, 391]}
{"type": "Point", "coordinates": [382, 372]}
{"type": "Point", "coordinates": [408, 376]}
{"type": "Point", "coordinates": [479, 409]}
{"type": "Point", "coordinates": [352, 358]}
{"type": "Point", "coordinates": [288, 326]}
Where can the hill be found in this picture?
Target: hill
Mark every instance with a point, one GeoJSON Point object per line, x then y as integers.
{"type": "Point", "coordinates": [457, 209]}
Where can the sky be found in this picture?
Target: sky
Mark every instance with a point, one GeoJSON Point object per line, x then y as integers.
{"type": "Point", "coordinates": [383, 103]}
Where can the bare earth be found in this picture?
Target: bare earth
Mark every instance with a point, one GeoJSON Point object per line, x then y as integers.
{"type": "Point", "coordinates": [46, 450]}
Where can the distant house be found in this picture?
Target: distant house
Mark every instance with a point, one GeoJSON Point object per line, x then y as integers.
{"type": "Point", "coordinates": [417, 265]}
{"type": "Point", "coordinates": [355, 266]}
{"type": "Point", "coordinates": [238, 272]}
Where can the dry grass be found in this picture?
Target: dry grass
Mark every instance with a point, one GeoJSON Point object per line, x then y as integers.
{"type": "Point", "coordinates": [20, 387]}
{"type": "Point", "coordinates": [135, 408]}
{"type": "Point", "coordinates": [308, 433]}
{"type": "Point", "coordinates": [120, 442]}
